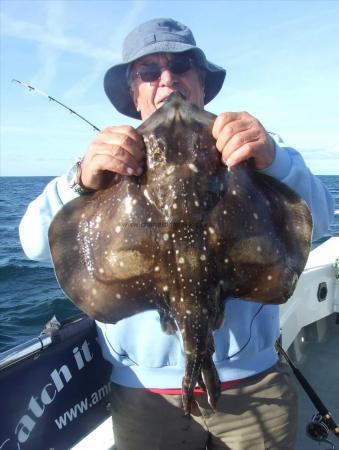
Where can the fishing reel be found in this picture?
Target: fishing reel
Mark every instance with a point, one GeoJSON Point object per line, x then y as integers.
{"type": "Point", "coordinates": [318, 430]}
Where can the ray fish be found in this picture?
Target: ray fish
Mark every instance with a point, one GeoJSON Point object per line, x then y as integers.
{"type": "Point", "coordinates": [182, 238]}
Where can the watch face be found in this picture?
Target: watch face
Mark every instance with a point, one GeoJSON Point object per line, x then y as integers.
{"type": "Point", "coordinates": [73, 182]}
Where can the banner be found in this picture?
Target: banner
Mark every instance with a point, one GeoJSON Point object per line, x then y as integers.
{"type": "Point", "coordinates": [52, 399]}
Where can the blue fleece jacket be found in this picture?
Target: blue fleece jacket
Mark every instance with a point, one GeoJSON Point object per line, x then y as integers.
{"type": "Point", "coordinates": [141, 353]}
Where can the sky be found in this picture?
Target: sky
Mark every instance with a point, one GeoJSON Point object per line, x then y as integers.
{"type": "Point", "coordinates": [281, 57]}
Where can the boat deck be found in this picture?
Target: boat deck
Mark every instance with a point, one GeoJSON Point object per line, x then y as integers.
{"type": "Point", "coordinates": [318, 360]}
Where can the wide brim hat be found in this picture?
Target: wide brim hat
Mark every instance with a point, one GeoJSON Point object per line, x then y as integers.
{"type": "Point", "coordinates": [157, 36]}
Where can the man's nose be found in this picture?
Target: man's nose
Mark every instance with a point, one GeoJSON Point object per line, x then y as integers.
{"type": "Point", "coordinates": [166, 77]}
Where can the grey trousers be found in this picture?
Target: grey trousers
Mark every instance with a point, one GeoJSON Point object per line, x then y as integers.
{"type": "Point", "coordinates": [260, 414]}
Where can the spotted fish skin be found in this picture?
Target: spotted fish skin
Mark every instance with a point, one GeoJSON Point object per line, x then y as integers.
{"type": "Point", "coordinates": [182, 238]}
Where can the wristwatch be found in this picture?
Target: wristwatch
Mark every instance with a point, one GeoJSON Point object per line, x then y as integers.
{"type": "Point", "coordinates": [73, 179]}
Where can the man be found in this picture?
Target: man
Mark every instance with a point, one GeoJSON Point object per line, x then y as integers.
{"type": "Point", "coordinates": [258, 407]}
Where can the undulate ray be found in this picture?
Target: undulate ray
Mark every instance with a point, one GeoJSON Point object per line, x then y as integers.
{"type": "Point", "coordinates": [182, 238]}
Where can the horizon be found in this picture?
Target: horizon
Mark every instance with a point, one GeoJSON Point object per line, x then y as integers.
{"type": "Point", "coordinates": [281, 59]}
{"type": "Point", "coordinates": [54, 176]}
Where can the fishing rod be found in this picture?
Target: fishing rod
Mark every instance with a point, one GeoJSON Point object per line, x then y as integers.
{"type": "Point", "coordinates": [322, 422]}
{"type": "Point", "coordinates": [37, 91]}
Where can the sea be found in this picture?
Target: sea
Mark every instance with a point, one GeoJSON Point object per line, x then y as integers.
{"type": "Point", "coordinates": [29, 293]}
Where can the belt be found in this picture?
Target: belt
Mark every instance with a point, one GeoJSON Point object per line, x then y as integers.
{"type": "Point", "coordinates": [198, 390]}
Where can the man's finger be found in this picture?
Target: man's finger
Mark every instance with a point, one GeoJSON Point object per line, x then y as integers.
{"type": "Point", "coordinates": [224, 119]}
{"type": "Point", "coordinates": [106, 157]}
{"type": "Point", "coordinates": [233, 132]}
{"type": "Point", "coordinates": [237, 141]}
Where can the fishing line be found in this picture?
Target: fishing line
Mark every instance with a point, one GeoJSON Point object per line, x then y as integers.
{"type": "Point", "coordinates": [250, 334]}
{"type": "Point", "coordinates": [37, 91]}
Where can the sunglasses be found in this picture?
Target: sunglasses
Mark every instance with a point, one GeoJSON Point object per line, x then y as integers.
{"type": "Point", "coordinates": [152, 72]}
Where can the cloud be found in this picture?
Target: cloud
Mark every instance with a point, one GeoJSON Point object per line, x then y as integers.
{"type": "Point", "coordinates": [83, 84]}
{"type": "Point", "coordinates": [114, 41]}
{"type": "Point", "coordinates": [47, 36]}
{"type": "Point", "coordinates": [52, 42]}
{"type": "Point", "coordinates": [49, 55]}
{"type": "Point", "coordinates": [321, 153]}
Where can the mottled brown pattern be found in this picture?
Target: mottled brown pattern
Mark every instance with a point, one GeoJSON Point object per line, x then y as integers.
{"type": "Point", "coordinates": [181, 238]}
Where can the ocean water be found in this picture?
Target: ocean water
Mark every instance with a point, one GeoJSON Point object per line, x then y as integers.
{"type": "Point", "coordinates": [29, 293]}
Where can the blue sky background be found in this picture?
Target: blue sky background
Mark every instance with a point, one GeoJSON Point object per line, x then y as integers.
{"type": "Point", "coordinates": [282, 61]}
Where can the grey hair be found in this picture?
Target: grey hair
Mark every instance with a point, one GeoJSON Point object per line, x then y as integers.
{"type": "Point", "coordinates": [129, 76]}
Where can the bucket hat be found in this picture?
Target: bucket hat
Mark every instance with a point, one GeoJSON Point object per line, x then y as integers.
{"type": "Point", "coordinates": [157, 36]}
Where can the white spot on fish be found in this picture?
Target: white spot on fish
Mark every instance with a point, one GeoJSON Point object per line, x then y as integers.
{"type": "Point", "coordinates": [193, 167]}
{"type": "Point", "coordinates": [234, 192]}
{"type": "Point", "coordinates": [156, 269]}
{"type": "Point", "coordinates": [118, 229]}
{"type": "Point", "coordinates": [165, 288]}
{"type": "Point", "coordinates": [128, 205]}
{"type": "Point", "coordinates": [211, 230]}
{"type": "Point", "coordinates": [166, 237]}
{"type": "Point", "coordinates": [146, 194]}
{"type": "Point", "coordinates": [269, 277]}
{"type": "Point", "coordinates": [255, 215]}
{"type": "Point", "coordinates": [203, 257]}
{"type": "Point", "coordinates": [259, 248]}
{"type": "Point", "coordinates": [181, 260]}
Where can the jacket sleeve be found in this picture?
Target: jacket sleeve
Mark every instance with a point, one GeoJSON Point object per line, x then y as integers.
{"type": "Point", "coordinates": [33, 228]}
{"type": "Point", "coordinates": [290, 168]}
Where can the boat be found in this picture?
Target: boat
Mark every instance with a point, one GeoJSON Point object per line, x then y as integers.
{"type": "Point", "coordinates": [55, 387]}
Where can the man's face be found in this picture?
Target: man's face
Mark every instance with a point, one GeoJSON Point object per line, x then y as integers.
{"type": "Point", "coordinates": [150, 95]}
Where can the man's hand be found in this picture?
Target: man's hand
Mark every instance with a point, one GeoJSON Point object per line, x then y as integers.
{"type": "Point", "coordinates": [117, 149]}
{"type": "Point", "coordinates": [241, 136]}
